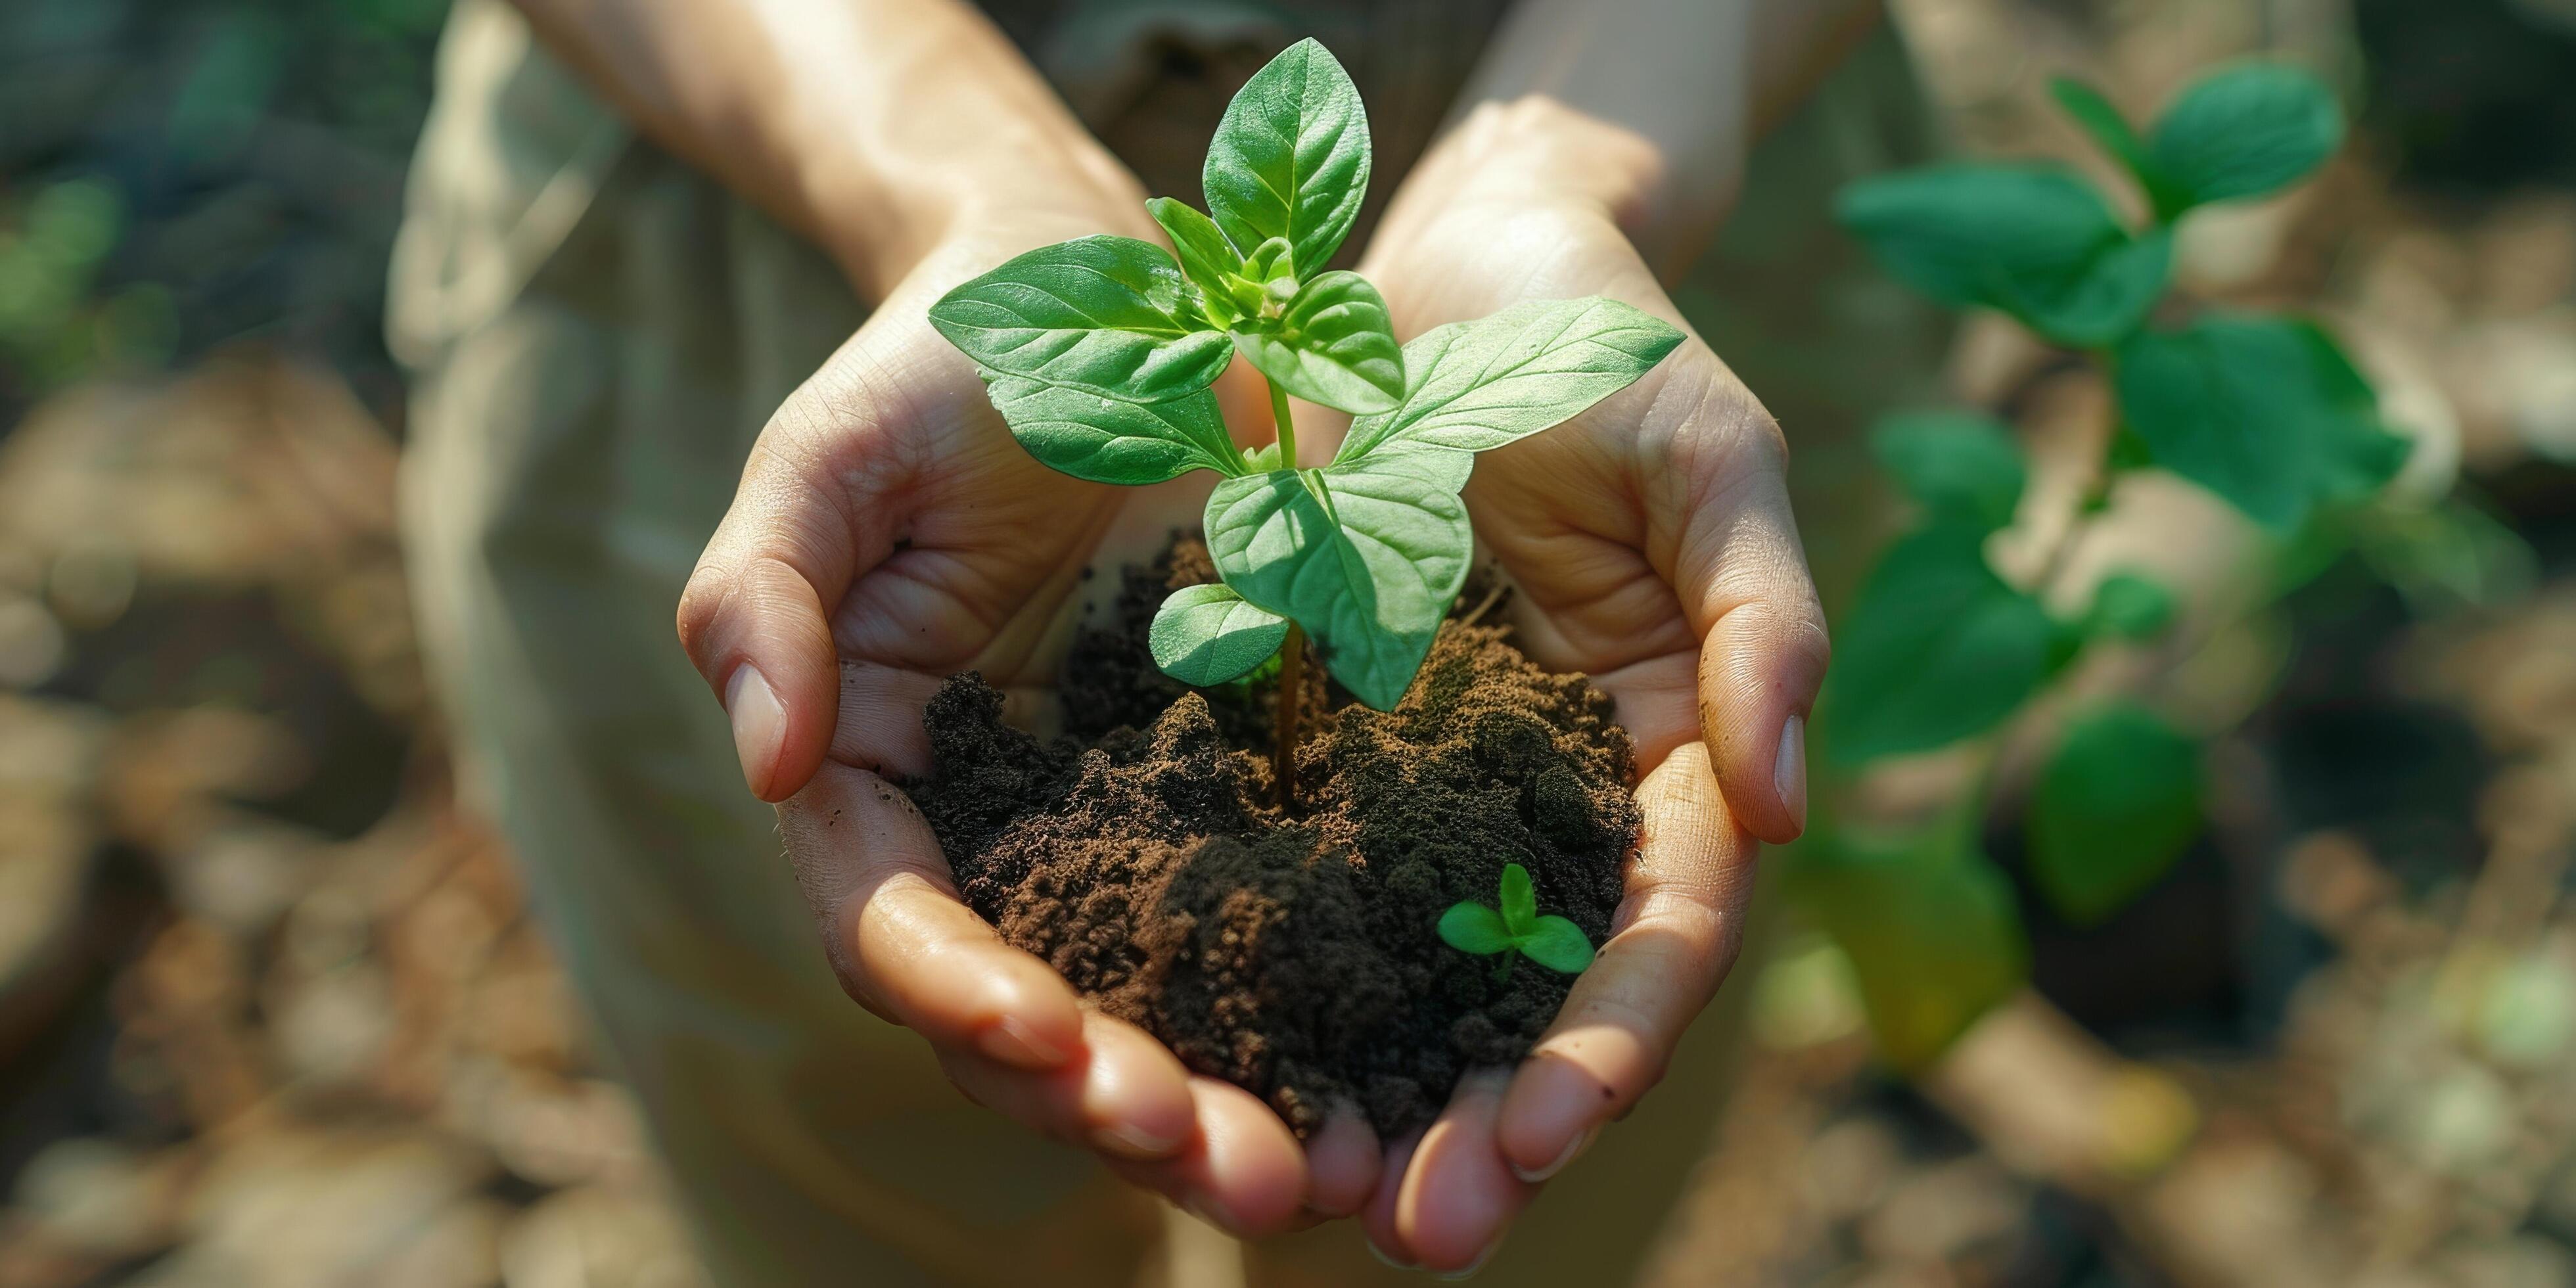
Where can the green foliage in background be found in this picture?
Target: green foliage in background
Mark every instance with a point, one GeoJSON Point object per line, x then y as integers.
{"type": "Point", "coordinates": [2265, 412]}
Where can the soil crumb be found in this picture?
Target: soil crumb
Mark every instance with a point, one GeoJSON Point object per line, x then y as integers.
{"type": "Point", "coordinates": [1292, 953]}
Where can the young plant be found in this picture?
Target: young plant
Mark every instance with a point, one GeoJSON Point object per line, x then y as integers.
{"type": "Point", "coordinates": [1515, 925]}
{"type": "Point", "coordinates": [2265, 412]}
{"type": "Point", "coordinates": [1099, 353]}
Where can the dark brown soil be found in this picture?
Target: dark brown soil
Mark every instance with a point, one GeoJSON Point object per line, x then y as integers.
{"type": "Point", "coordinates": [1292, 953]}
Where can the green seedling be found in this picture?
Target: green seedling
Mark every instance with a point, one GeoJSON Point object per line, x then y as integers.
{"type": "Point", "coordinates": [1516, 926]}
{"type": "Point", "coordinates": [1099, 353]}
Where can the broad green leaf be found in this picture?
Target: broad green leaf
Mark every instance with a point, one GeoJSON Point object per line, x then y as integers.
{"type": "Point", "coordinates": [1206, 258]}
{"type": "Point", "coordinates": [2117, 804]}
{"type": "Point", "coordinates": [2109, 130]}
{"type": "Point", "coordinates": [1444, 467]}
{"type": "Point", "coordinates": [1207, 635]}
{"type": "Point", "coordinates": [1557, 944]}
{"type": "Point", "coordinates": [1333, 346]}
{"type": "Point", "coordinates": [1957, 464]}
{"type": "Point", "coordinates": [1931, 931]}
{"type": "Point", "coordinates": [1519, 900]}
{"type": "Point", "coordinates": [1111, 440]}
{"type": "Point", "coordinates": [2266, 412]}
{"type": "Point", "coordinates": [1472, 927]}
{"type": "Point", "coordinates": [1291, 158]}
{"type": "Point", "coordinates": [1937, 648]}
{"type": "Point", "coordinates": [2129, 606]}
{"type": "Point", "coordinates": [2032, 241]}
{"type": "Point", "coordinates": [1476, 385]}
{"type": "Point", "coordinates": [2241, 133]}
{"type": "Point", "coordinates": [1367, 560]}
{"type": "Point", "coordinates": [1102, 314]}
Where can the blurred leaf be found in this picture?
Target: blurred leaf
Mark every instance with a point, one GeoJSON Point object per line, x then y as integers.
{"type": "Point", "coordinates": [1937, 648]}
{"type": "Point", "coordinates": [2117, 804]}
{"type": "Point", "coordinates": [2033, 241]}
{"type": "Point", "coordinates": [2266, 412]}
{"type": "Point", "coordinates": [1930, 929]}
{"type": "Point", "coordinates": [77, 220]}
{"type": "Point", "coordinates": [2109, 130]}
{"type": "Point", "coordinates": [2241, 133]}
{"type": "Point", "coordinates": [1960, 465]}
{"type": "Point", "coordinates": [2129, 606]}
{"type": "Point", "coordinates": [225, 95]}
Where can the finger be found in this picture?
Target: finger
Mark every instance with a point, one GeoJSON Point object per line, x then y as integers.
{"type": "Point", "coordinates": [1247, 1176]}
{"type": "Point", "coordinates": [1126, 1096]}
{"type": "Point", "coordinates": [754, 615]}
{"type": "Point", "coordinates": [1377, 1216]}
{"type": "Point", "coordinates": [1458, 1196]}
{"type": "Point", "coordinates": [1677, 933]}
{"type": "Point", "coordinates": [899, 940]}
{"type": "Point", "coordinates": [1341, 1163]}
{"type": "Point", "coordinates": [1742, 576]}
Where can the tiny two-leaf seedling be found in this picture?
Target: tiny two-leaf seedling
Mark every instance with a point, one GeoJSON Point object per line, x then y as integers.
{"type": "Point", "coordinates": [1515, 926]}
{"type": "Point", "coordinates": [1099, 353]}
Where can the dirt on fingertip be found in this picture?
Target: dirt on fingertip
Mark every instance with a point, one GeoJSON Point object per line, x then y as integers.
{"type": "Point", "coordinates": [1292, 952]}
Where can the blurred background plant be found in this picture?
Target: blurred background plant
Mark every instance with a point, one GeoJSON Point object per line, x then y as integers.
{"type": "Point", "coordinates": [2285, 996]}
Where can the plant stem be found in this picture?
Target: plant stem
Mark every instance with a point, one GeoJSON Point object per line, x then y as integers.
{"type": "Point", "coordinates": [1292, 651]}
{"type": "Point", "coordinates": [1292, 686]}
{"type": "Point", "coordinates": [1287, 427]}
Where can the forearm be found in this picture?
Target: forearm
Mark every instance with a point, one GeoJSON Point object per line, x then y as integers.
{"type": "Point", "coordinates": [1659, 101]}
{"type": "Point", "coordinates": [871, 126]}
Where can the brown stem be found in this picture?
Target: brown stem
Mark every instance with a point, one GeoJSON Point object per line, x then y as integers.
{"type": "Point", "coordinates": [1292, 687]}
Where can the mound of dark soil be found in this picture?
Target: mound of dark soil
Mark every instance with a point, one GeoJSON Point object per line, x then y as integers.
{"type": "Point", "coordinates": [1291, 952]}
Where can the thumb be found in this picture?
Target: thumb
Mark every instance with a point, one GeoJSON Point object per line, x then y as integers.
{"type": "Point", "coordinates": [755, 616]}
{"type": "Point", "coordinates": [1743, 579]}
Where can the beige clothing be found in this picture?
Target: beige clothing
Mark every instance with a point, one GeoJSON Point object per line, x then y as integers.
{"type": "Point", "coordinates": [597, 333]}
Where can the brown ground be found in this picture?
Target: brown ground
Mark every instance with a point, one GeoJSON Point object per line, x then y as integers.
{"type": "Point", "coordinates": [1292, 953]}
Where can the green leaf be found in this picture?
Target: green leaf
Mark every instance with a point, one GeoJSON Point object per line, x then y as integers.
{"type": "Point", "coordinates": [2035, 242]}
{"type": "Point", "coordinates": [1110, 440]}
{"type": "Point", "coordinates": [2266, 412]}
{"type": "Point", "coordinates": [2241, 133]}
{"type": "Point", "coordinates": [2110, 131]}
{"type": "Point", "coordinates": [1102, 314]}
{"type": "Point", "coordinates": [1207, 635]}
{"type": "Point", "coordinates": [2117, 804]}
{"type": "Point", "coordinates": [1931, 931]}
{"type": "Point", "coordinates": [2129, 606]}
{"type": "Point", "coordinates": [1472, 927]}
{"type": "Point", "coordinates": [1291, 158]}
{"type": "Point", "coordinates": [1937, 648]}
{"type": "Point", "coordinates": [1476, 385]}
{"type": "Point", "coordinates": [1366, 559]}
{"type": "Point", "coordinates": [1519, 900]}
{"type": "Point", "coordinates": [1206, 258]}
{"type": "Point", "coordinates": [1333, 346]}
{"type": "Point", "coordinates": [1557, 944]}
{"type": "Point", "coordinates": [1958, 465]}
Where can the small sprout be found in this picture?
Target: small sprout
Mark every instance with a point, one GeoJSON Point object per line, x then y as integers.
{"type": "Point", "coordinates": [1551, 941]}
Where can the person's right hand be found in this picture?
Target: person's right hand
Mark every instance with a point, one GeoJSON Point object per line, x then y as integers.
{"type": "Point", "coordinates": [888, 533]}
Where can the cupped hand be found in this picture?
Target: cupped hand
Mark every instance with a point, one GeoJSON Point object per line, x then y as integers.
{"type": "Point", "coordinates": [1652, 546]}
{"type": "Point", "coordinates": [888, 532]}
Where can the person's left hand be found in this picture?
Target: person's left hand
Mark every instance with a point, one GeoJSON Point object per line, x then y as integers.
{"type": "Point", "coordinates": [1652, 546]}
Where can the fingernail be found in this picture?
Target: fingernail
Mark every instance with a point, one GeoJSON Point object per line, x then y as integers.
{"type": "Point", "coordinates": [1789, 772]}
{"type": "Point", "coordinates": [1014, 1043]}
{"type": "Point", "coordinates": [1387, 1259]}
{"type": "Point", "coordinates": [759, 725]}
{"type": "Point", "coordinates": [1573, 1150]}
{"type": "Point", "coordinates": [1453, 1276]}
{"type": "Point", "coordinates": [1210, 1211]}
{"type": "Point", "coordinates": [1127, 1140]}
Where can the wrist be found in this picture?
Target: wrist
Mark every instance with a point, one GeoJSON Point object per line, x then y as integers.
{"type": "Point", "coordinates": [879, 226]}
